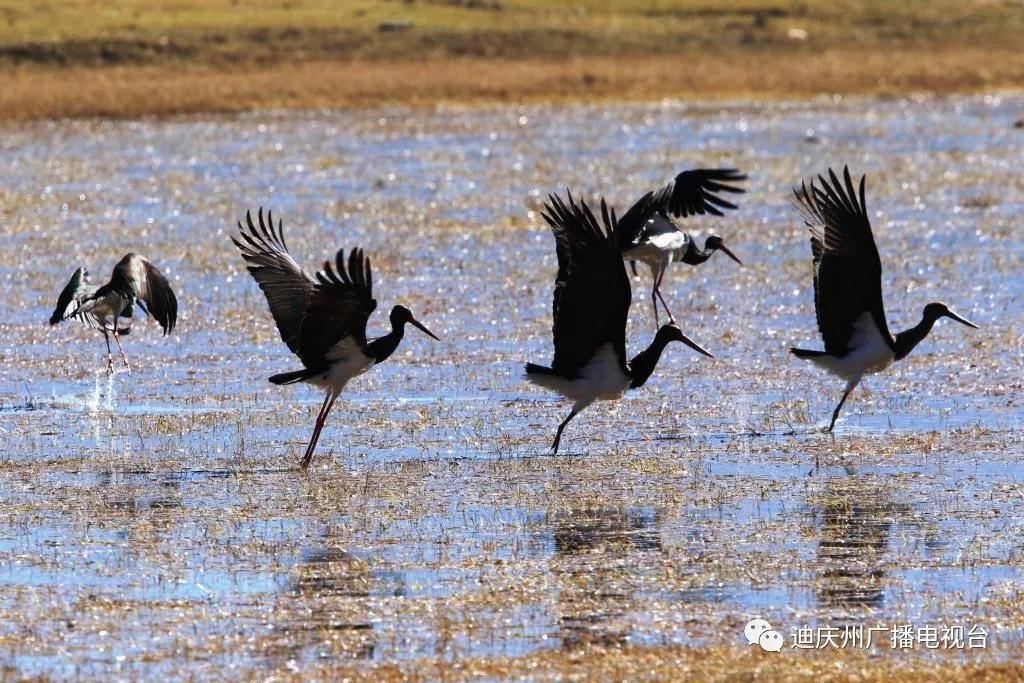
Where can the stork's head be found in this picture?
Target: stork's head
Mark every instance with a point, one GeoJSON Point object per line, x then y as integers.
{"type": "Point", "coordinates": [716, 243]}
{"type": "Point", "coordinates": [671, 333]}
{"type": "Point", "coordinates": [937, 309]}
{"type": "Point", "coordinates": [400, 315]}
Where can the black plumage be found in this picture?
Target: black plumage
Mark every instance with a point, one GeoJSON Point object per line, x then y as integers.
{"type": "Point", "coordinates": [847, 268]}
{"type": "Point", "coordinates": [697, 192]}
{"type": "Point", "coordinates": [109, 308]}
{"type": "Point", "coordinates": [77, 288]}
{"type": "Point", "coordinates": [592, 292]}
{"type": "Point", "coordinates": [323, 319]}
{"type": "Point", "coordinates": [658, 241]}
{"type": "Point", "coordinates": [848, 286]}
{"type": "Point", "coordinates": [590, 309]}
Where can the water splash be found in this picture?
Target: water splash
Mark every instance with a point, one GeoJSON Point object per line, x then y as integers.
{"type": "Point", "coordinates": [102, 396]}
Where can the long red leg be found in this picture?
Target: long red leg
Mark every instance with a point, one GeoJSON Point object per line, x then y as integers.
{"type": "Point", "coordinates": [671, 318]}
{"type": "Point", "coordinates": [123, 357]}
{"type": "Point", "coordinates": [110, 358]}
{"type": "Point", "coordinates": [656, 278]}
{"type": "Point", "coordinates": [321, 418]}
{"type": "Point", "coordinates": [561, 428]}
{"type": "Point", "coordinates": [835, 415]}
{"type": "Point", "coordinates": [657, 290]}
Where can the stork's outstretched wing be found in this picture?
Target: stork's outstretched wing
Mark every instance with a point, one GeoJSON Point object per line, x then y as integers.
{"type": "Point", "coordinates": [690, 193]}
{"type": "Point", "coordinates": [152, 289]}
{"type": "Point", "coordinates": [696, 192]}
{"type": "Point", "coordinates": [71, 296]}
{"type": "Point", "coordinates": [592, 293]}
{"type": "Point", "coordinates": [334, 324]}
{"type": "Point", "coordinates": [287, 286]}
{"type": "Point", "coordinates": [847, 269]}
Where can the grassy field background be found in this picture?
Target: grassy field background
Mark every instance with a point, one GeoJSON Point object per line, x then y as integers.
{"type": "Point", "coordinates": [135, 57]}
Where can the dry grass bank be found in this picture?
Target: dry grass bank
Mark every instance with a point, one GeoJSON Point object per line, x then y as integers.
{"type": "Point", "coordinates": [143, 90]}
{"type": "Point", "coordinates": [136, 58]}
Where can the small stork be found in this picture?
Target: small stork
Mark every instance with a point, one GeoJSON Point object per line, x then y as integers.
{"type": "Point", "coordinates": [323, 321]}
{"type": "Point", "coordinates": [591, 306]}
{"type": "Point", "coordinates": [848, 287]}
{"type": "Point", "coordinates": [135, 281]}
{"type": "Point", "coordinates": [659, 241]}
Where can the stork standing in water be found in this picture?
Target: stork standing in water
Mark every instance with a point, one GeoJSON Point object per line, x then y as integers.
{"type": "Point", "coordinates": [659, 241]}
{"type": "Point", "coordinates": [135, 281]}
{"type": "Point", "coordinates": [322, 320]}
{"type": "Point", "coordinates": [591, 306]}
{"type": "Point", "coordinates": [848, 287]}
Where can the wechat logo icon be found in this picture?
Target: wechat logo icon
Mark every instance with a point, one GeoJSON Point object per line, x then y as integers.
{"type": "Point", "coordinates": [760, 632]}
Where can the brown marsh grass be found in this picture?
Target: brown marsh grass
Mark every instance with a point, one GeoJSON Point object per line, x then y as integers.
{"type": "Point", "coordinates": [145, 90]}
{"type": "Point", "coordinates": [139, 58]}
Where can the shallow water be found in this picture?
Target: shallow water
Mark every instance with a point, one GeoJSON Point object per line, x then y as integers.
{"type": "Point", "coordinates": [153, 524]}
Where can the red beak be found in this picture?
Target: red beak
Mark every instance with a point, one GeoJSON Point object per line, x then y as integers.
{"type": "Point", "coordinates": [729, 253]}
{"type": "Point", "coordinates": [423, 328]}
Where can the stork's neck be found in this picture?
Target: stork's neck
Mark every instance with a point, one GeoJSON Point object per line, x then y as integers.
{"type": "Point", "coordinates": [644, 362]}
{"type": "Point", "coordinates": [380, 349]}
{"type": "Point", "coordinates": [908, 339]}
{"type": "Point", "coordinates": [694, 254]}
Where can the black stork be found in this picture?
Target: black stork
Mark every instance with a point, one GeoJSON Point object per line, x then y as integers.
{"type": "Point", "coordinates": [848, 287]}
{"type": "Point", "coordinates": [322, 320]}
{"type": "Point", "coordinates": [135, 281]}
{"type": "Point", "coordinates": [659, 241]}
{"type": "Point", "coordinates": [591, 306]}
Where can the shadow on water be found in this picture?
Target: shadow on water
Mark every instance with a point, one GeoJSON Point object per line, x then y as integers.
{"type": "Point", "coordinates": [607, 529]}
{"type": "Point", "coordinates": [331, 572]}
{"type": "Point", "coordinates": [857, 519]}
{"type": "Point", "coordinates": [335, 586]}
{"type": "Point", "coordinates": [594, 576]}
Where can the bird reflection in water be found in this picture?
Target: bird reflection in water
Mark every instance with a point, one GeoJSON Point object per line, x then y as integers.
{"type": "Point", "coordinates": [856, 519]}
{"type": "Point", "coordinates": [325, 606]}
{"type": "Point", "coordinates": [590, 546]}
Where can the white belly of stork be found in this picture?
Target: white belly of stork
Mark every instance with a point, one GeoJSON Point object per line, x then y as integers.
{"type": "Point", "coordinates": [659, 250]}
{"type": "Point", "coordinates": [674, 242]}
{"type": "Point", "coordinates": [646, 253]}
{"type": "Point", "coordinates": [345, 361]}
{"type": "Point", "coordinates": [868, 352]}
{"type": "Point", "coordinates": [601, 379]}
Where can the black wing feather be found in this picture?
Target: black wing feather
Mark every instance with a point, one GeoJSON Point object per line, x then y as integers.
{"type": "Point", "coordinates": [74, 291]}
{"type": "Point", "coordinates": [151, 288]}
{"type": "Point", "coordinates": [287, 286]}
{"type": "Point", "coordinates": [592, 293]}
{"type": "Point", "coordinates": [339, 307]}
{"type": "Point", "coordinates": [696, 192]}
{"type": "Point", "coordinates": [690, 193]}
{"type": "Point", "coordinates": [637, 224]}
{"type": "Point", "coordinates": [847, 268]}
